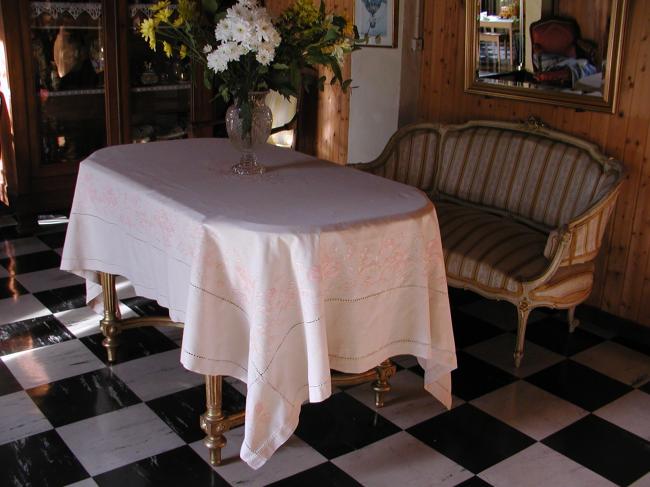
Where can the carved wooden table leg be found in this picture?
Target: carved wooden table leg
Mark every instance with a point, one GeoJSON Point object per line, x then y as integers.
{"type": "Point", "coordinates": [109, 324]}
{"type": "Point", "coordinates": [381, 386]}
{"type": "Point", "coordinates": [213, 422]}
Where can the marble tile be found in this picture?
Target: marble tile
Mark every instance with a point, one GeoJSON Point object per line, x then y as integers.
{"type": "Point", "coordinates": [30, 334]}
{"type": "Point", "coordinates": [323, 475]}
{"type": "Point", "coordinates": [37, 261]}
{"type": "Point", "coordinates": [21, 246]}
{"type": "Point", "coordinates": [84, 483]}
{"type": "Point", "coordinates": [157, 375]}
{"type": "Point", "coordinates": [498, 351]}
{"type": "Point", "coordinates": [48, 364]}
{"type": "Point", "coordinates": [407, 404]}
{"type": "Point", "coordinates": [3, 272]}
{"type": "Point", "coordinates": [630, 412]}
{"type": "Point", "coordinates": [21, 308]}
{"type": "Point", "coordinates": [20, 417]}
{"type": "Point", "coordinates": [8, 383]}
{"type": "Point", "coordinates": [540, 466]}
{"type": "Point", "coordinates": [291, 458]}
{"type": "Point", "coordinates": [400, 459]}
{"type": "Point", "coordinates": [474, 377]}
{"type": "Point", "coordinates": [53, 239]}
{"type": "Point", "coordinates": [133, 344]}
{"type": "Point", "coordinates": [642, 482]}
{"type": "Point", "coordinates": [111, 440]}
{"type": "Point", "coordinates": [82, 396]}
{"type": "Point", "coordinates": [63, 298]}
{"type": "Point", "coordinates": [171, 332]}
{"type": "Point", "coordinates": [84, 321]}
{"type": "Point", "coordinates": [529, 409]}
{"type": "Point", "coordinates": [46, 279]}
{"type": "Point", "coordinates": [7, 221]}
{"type": "Point", "coordinates": [11, 288]}
{"type": "Point", "coordinates": [405, 361]}
{"type": "Point", "coordinates": [499, 313]}
{"type": "Point", "coordinates": [41, 460]}
{"type": "Point", "coordinates": [617, 361]}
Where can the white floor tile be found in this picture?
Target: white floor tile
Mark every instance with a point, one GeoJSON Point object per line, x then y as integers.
{"type": "Point", "coordinates": [21, 308]}
{"type": "Point", "coordinates": [118, 438]}
{"type": "Point", "coordinates": [618, 362]}
{"type": "Point", "coordinates": [83, 483]}
{"type": "Point", "coordinates": [630, 412]}
{"type": "Point", "coordinates": [53, 278]}
{"type": "Point", "coordinates": [54, 362]}
{"type": "Point", "coordinates": [529, 409]}
{"type": "Point", "coordinates": [21, 246]}
{"type": "Point", "coordinates": [292, 457]}
{"type": "Point", "coordinates": [20, 417]}
{"type": "Point", "coordinates": [157, 375]}
{"type": "Point", "coordinates": [498, 351]}
{"type": "Point", "coordinates": [407, 404]}
{"type": "Point", "coordinates": [401, 459]}
{"type": "Point", "coordinates": [642, 482]}
{"type": "Point", "coordinates": [540, 466]}
{"type": "Point", "coordinates": [84, 321]}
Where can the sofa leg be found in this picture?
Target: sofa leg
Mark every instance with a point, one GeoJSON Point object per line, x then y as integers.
{"type": "Point", "coordinates": [571, 318]}
{"type": "Point", "coordinates": [523, 310]}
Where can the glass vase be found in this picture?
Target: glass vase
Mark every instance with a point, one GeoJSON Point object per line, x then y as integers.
{"type": "Point", "coordinates": [248, 141]}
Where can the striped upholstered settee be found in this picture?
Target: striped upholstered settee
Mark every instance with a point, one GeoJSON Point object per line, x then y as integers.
{"type": "Point", "coordinates": [522, 209]}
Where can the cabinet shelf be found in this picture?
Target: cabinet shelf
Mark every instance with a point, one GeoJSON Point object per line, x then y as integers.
{"type": "Point", "coordinates": [93, 9]}
{"type": "Point", "coordinates": [153, 88]}
{"type": "Point", "coordinates": [93, 91]}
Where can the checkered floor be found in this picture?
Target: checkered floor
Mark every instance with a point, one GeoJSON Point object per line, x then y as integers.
{"type": "Point", "coordinates": [576, 413]}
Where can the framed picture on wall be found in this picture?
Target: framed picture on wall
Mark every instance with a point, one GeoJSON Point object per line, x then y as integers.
{"type": "Point", "coordinates": [376, 21]}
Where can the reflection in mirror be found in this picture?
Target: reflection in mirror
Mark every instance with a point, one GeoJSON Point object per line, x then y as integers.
{"type": "Point", "coordinates": [548, 50]}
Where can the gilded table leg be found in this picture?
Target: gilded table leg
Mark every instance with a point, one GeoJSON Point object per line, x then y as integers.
{"type": "Point", "coordinates": [523, 310]}
{"type": "Point", "coordinates": [381, 386]}
{"type": "Point", "coordinates": [571, 318]}
{"type": "Point", "coordinates": [109, 323]}
{"type": "Point", "coordinates": [213, 421]}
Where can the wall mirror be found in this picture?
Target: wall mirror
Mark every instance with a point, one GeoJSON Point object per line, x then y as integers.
{"type": "Point", "coordinates": [564, 52]}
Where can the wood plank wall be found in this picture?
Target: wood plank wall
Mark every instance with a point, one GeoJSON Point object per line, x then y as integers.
{"type": "Point", "coordinates": [623, 279]}
{"type": "Point", "coordinates": [333, 104]}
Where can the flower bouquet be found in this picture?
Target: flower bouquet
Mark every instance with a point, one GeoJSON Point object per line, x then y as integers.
{"type": "Point", "coordinates": [244, 53]}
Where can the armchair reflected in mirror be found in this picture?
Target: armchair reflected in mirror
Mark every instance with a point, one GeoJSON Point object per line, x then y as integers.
{"type": "Point", "coordinates": [564, 52]}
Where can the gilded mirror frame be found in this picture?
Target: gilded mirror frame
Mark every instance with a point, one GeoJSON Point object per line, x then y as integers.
{"type": "Point", "coordinates": [612, 68]}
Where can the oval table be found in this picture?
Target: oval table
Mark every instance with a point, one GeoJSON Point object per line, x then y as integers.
{"type": "Point", "coordinates": [276, 278]}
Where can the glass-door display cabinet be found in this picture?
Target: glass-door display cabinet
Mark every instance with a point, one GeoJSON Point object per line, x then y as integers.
{"type": "Point", "coordinates": [78, 78]}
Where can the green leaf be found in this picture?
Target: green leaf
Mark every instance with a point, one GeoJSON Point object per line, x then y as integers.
{"type": "Point", "coordinates": [280, 66]}
{"type": "Point", "coordinates": [346, 84]}
{"type": "Point", "coordinates": [207, 78]}
{"type": "Point", "coordinates": [332, 35]}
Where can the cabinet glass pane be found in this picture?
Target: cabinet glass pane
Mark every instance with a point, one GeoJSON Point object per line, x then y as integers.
{"type": "Point", "coordinates": [68, 56]}
{"type": "Point", "coordinates": [160, 87]}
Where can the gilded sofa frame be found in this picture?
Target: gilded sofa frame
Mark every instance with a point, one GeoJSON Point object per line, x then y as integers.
{"type": "Point", "coordinates": [575, 244]}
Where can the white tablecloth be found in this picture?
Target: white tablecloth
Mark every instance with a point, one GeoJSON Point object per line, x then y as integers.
{"type": "Point", "coordinates": [278, 278]}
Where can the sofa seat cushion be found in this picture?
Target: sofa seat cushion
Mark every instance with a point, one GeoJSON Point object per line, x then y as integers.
{"type": "Point", "coordinates": [488, 251]}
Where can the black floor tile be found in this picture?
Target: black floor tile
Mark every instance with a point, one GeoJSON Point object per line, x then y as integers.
{"type": "Point", "coordinates": [471, 437]}
{"type": "Point", "coordinates": [324, 475]}
{"type": "Point", "coordinates": [460, 297]}
{"type": "Point", "coordinates": [33, 333]}
{"type": "Point", "coordinates": [63, 298]}
{"type": "Point", "coordinates": [579, 384]}
{"type": "Point", "coordinates": [474, 378]}
{"type": "Point", "coordinates": [10, 288]}
{"type": "Point", "coordinates": [54, 240]}
{"type": "Point", "coordinates": [181, 410]}
{"type": "Point", "coordinates": [134, 343]}
{"type": "Point", "coordinates": [469, 330]}
{"type": "Point", "coordinates": [83, 396]}
{"type": "Point", "coordinates": [37, 261]}
{"type": "Point", "coordinates": [39, 460]}
{"type": "Point", "coordinates": [340, 425]}
{"type": "Point", "coordinates": [645, 388]}
{"type": "Point", "coordinates": [474, 482]}
{"type": "Point", "coordinates": [181, 466]}
{"type": "Point", "coordinates": [608, 450]}
{"type": "Point", "coordinates": [640, 344]}
{"type": "Point", "coordinates": [145, 307]}
{"type": "Point", "coordinates": [8, 383]}
{"type": "Point", "coordinates": [553, 334]}
{"type": "Point", "coordinates": [8, 233]}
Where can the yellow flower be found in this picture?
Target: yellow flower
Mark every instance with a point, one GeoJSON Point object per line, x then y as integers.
{"type": "Point", "coordinates": [182, 52]}
{"type": "Point", "coordinates": [349, 30]}
{"type": "Point", "coordinates": [178, 22]}
{"type": "Point", "coordinates": [163, 15]}
{"type": "Point", "coordinates": [148, 32]}
{"type": "Point", "coordinates": [186, 10]}
{"type": "Point", "coordinates": [167, 47]}
{"type": "Point", "coordinates": [163, 4]}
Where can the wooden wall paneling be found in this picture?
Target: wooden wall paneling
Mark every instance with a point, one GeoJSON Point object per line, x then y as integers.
{"type": "Point", "coordinates": [623, 278]}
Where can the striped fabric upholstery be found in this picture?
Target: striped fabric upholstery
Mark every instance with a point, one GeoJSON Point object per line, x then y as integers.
{"type": "Point", "coordinates": [494, 252]}
{"type": "Point", "coordinates": [527, 175]}
{"type": "Point", "coordinates": [412, 160]}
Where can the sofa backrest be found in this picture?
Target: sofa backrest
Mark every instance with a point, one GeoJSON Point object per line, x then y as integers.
{"type": "Point", "coordinates": [542, 176]}
{"type": "Point", "coordinates": [411, 155]}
